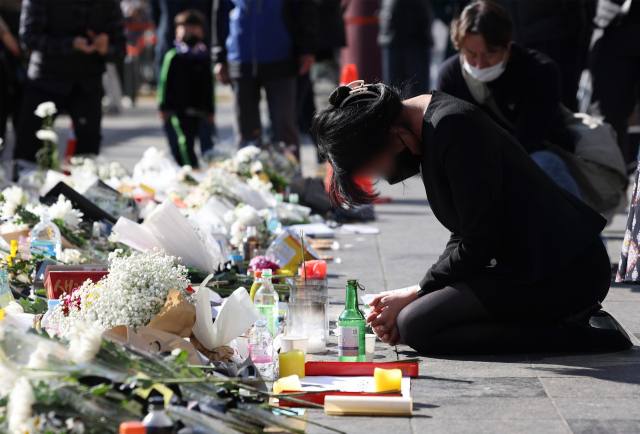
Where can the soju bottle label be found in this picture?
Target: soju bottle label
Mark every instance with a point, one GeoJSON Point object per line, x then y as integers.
{"type": "Point", "coordinates": [348, 341]}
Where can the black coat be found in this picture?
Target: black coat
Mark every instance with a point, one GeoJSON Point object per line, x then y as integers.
{"type": "Point", "coordinates": [506, 216]}
{"type": "Point", "coordinates": [527, 93]}
{"type": "Point", "coordinates": [405, 23]}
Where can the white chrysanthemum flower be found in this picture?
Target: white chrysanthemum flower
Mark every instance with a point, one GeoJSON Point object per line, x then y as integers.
{"type": "Point", "coordinates": [85, 342]}
{"type": "Point", "coordinates": [72, 256]}
{"type": "Point", "coordinates": [246, 154]}
{"type": "Point", "coordinates": [39, 359]}
{"type": "Point", "coordinates": [63, 210]}
{"type": "Point", "coordinates": [14, 307]}
{"type": "Point", "coordinates": [259, 185]}
{"type": "Point", "coordinates": [257, 166]}
{"type": "Point", "coordinates": [46, 109]}
{"type": "Point", "coordinates": [23, 278]}
{"type": "Point", "coordinates": [21, 399]}
{"type": "Point", "coordinates": [14, 196]}
{"type": "Point", "coordinates": [49, 135]}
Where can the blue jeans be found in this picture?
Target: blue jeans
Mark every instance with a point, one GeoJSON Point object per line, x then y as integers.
{"type": "Point", "coordinates": [407, 68]}
{"type": "Point", "coordinates": [558, 170]}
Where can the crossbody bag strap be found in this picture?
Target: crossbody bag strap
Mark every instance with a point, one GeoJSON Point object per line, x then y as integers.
{"type": "Point", "coordinates": [493, 106]}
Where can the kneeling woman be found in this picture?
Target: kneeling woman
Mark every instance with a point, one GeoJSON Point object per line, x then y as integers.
{"type": "Point", "coordinates": [524, 270]}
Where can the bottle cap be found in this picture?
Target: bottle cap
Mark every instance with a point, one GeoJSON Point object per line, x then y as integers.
{"type": "Point", "coordinates": [133, 427]}
{"type": "Point", "coordinates": [261, 322]}
{"type": "Point", "coordinates": [156, 403]}
{"type": "Point", "coordinates": [257, 274]}
{"type": "Point", "coordinates": [266, 272]}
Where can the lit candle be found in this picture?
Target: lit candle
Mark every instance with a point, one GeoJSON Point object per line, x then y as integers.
{"type": "Point", "coordinates": [292, 363]}
{"type": "Point", "coordinates": [290, 384]}
{"type": "Point", "coordinates": [387, 379]}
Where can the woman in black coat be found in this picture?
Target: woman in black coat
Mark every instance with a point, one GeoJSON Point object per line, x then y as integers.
{"type": "Point", "coordinates": [524, 270]}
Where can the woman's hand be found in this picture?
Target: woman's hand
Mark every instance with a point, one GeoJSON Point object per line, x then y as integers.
{"type": "Point", "coordinates": [385, 313]}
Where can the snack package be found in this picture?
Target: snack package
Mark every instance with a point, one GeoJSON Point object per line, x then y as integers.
{"type": "Point", "coordinates": [287, 253]}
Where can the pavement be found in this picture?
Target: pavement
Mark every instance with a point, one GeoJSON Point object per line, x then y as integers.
{"type": "Point", "coordinates": [525, 393]}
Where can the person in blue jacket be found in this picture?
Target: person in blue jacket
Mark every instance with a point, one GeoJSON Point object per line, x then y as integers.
{"type": "Point", "coordinates": [258, 44]}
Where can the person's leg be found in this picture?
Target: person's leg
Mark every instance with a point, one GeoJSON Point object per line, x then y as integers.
{"type": "Point", "coordinates": [172, 138]}
{"type": "Point", "coordinates": [417, 63]}
{"type": "Point", "coordinates": [205, 136]}
{"type": "Point", "coordinates": [615, 70]}
{"type": "Point", "coordinates": [281, 99]}
{"type": "Point", "coordinates": [186, 129]}
{"type": "Point", "coordinates": [246, 107]}
{"type": "Point", "coordinates": [453, 321]}
{"type": "Point", "coordinates": [393, 63]}
{"type": "Point", "coordinates": [85, 109]}
{"type": "Point", "coordinates": [27, 144]}
{"type": "Point", "coordinates": [557, 169]}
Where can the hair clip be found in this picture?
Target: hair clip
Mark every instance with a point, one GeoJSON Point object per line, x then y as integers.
{"type": "Point", "coordinates": [358, 88]}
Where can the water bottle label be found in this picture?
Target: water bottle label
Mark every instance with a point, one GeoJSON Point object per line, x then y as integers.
{"type": "Point", "coordinates": [46, 249]}
{"type": "Point", "coordinates": [270, 314]}
{"type": "Point", "coordinates": [348, 341]}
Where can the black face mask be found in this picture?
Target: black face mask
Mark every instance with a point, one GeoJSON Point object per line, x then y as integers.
{"type": "Point", "coordinates": [407, 165]}
{"type": "Point", "coordinates": [190, 40]}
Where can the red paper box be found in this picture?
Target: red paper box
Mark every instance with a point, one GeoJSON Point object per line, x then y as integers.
{"type": "Point", "coordinates": [58, 283]}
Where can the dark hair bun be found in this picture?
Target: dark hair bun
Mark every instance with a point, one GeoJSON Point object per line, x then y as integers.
{"type": "Point", "coordinates": [339, 94]}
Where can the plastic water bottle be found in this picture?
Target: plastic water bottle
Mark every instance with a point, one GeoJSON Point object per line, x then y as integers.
{"type": "Point", "coordinates": [261, 349]}
{"type": "Point", "coordinates": [266, 300]}
{"type": "Point", "coordinates": [157, 421]}
{"type": "Point", "coordinates": [273, 224]}
{"type": "Point", "coordinates": [6, 296]}
{"type": "Point", "coordinates": [45, 238]}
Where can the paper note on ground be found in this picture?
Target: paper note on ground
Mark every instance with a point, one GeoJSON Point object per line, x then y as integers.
{"type": "Point", "coordinates": [349, 384]}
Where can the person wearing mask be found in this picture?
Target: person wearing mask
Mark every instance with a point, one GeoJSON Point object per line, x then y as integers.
{"type": "Point", "coordinates": [524, 270]}
{"type": "Point", "coordinates": [163, 13]}
{"type": "Point", "coordinates": [258, 45]}
{"type": "Point", "coordinates": [517, 87]}
{"type": "Point", "coordinates": [559, 29]}
{"type": "Point", "coordinates": [614, 62]}
{"type": "Point", "coordinates": [405, 38]}
{"type": "Point", "coordinates": [186, 87]}
{"type": "Point", "coordinates": [70, 43]}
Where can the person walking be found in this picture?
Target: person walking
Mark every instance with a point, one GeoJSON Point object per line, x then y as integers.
{"type": "Point", "coordinates": [186, 95]}
{"type": "Point", "coordinates": [258, 45]}
{"type": "Point", "coordinates": [70, 42]}
{"type": "Point", "coordinates": [525, 269]}
{"type": "Point", "coordinates": [614, 62]}
{"type": "Point", "coordinates": [405, 38]}
{"type": "Point", "coordinates": [517, 87]}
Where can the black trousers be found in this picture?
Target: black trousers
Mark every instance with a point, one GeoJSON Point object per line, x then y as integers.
{"type": "Point", "coordinates": [186, 128]}
{"type": "Point", "coordinates": [84, 108]}
{"type": "Point", "coordinates": [614, 63]}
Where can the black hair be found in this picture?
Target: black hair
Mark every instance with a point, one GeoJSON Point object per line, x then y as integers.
{"type": "Point", "coordinates": [190, 17]}
{"type": "Point", "coordinates": [484, 17]}
{"type": "Point", "coordinates": [350, 136]}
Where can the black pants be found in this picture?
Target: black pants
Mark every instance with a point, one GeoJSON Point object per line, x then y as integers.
{"type": "Point", "coordinates": [186, 128]}
{"type": "Point", "coordinates": [488, 315]}
{"type": "Point", "coordinates": [84, 108]}
{"type": "Point", "coordinates": [614, 63]}
{"type": "Point", "coordinates": [568, 56]}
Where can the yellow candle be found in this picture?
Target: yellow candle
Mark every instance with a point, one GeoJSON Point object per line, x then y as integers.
{"type": "Point", "coordinates": [387, 379]}
{"type": "Point", "coordinates": [289, 383]}
{"type": "Point", "coordinates": [292, 363]}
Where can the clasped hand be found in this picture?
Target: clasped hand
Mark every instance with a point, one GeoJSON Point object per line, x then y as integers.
{"type": "Point", "coordinates": [99, 43]}
{"type": "Point", "coordinates": [386, 308]}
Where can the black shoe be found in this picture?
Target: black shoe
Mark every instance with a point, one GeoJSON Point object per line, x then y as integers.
{"type": "Point", "coordinates": [597, 329]}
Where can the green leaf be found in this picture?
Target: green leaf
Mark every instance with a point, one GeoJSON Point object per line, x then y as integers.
{"type": "Point", "coordinates": [100, 389]}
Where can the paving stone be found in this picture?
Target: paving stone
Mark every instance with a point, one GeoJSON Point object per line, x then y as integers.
{"type": "Point", "coordinates": [358, 424]}
{"type": "Point", "coordinates": [484, 426]}
{"type": "Point", "coordinates": [620, 384]}
{"type": "Point", "coordinates": [487, 408]}
{"type": "Point", "coordinates": [501, 387]}
{"type": "Point", "coordinates": [591, 406]}
{"type": "Point", "coordinates": [582, 426]}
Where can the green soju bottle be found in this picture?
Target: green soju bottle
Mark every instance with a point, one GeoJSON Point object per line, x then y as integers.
{"type": "Point", "coordinates": [351, 327]}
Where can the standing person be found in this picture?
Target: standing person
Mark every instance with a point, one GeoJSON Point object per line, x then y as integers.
{"type": "Point", "coordinates": [186, 88]}
{"type": "Point", "coordinates": [525, 269]}
{"type": "Point", "coordinates": [517, 87]}
{"type": "Point", "coordinates": [163, 13]}
{"type": "Point", "coordinates": [70, 42]}
{"type": "Point", "coordinates": [405, 38]}
{"type": "Point", "coordinates": [258, 45]}
{"type": "Point", "coordinates": [559, 29]}
{"type": "Point", "coordinates": [11, 74]}
{"type": "Point", "coordinates": [614, 62]}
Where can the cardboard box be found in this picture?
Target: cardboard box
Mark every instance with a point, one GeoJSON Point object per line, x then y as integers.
{"type": "Point", "coordinates": [61, 279]}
